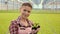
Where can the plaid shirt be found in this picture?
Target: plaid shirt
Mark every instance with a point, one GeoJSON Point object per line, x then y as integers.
{"type": "Point", "coordinates": [13, 28]}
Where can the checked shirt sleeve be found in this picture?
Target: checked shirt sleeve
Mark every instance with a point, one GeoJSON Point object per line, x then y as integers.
{"type": "Point", "coordinates": [13, 27]}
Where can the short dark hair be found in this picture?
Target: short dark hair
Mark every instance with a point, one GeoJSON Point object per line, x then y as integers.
{"type": "Point", "coordinates": [27, 4]}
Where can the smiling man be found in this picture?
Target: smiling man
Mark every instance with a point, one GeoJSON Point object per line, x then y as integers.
{"type": "Point", "coordinates": [22, 25]}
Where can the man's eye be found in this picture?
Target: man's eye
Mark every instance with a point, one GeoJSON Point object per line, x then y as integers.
{"type": "Point", "coordinates": [28, 11]}
{"type": "Point", "coordinates": [24, 10]}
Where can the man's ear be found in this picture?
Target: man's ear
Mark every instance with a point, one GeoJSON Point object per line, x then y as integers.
{"type": "Point", "coordinates": [20, 9]}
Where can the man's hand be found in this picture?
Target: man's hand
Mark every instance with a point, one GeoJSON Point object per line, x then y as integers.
{"type": "Point", "coordinates": [35, 29]}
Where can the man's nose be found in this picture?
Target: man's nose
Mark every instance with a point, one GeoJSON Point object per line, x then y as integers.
{"type": "Point", "coordinates": [26, 12]}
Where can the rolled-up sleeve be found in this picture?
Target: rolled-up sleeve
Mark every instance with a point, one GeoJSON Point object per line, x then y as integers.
{"type": "Point", "coordinates": [13, 27]}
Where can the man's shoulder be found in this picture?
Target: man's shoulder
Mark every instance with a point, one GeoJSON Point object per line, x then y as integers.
{"type": "Point", "coordinates": [14, 21]}
{"type": "Point", "coordinates": [31, 21]}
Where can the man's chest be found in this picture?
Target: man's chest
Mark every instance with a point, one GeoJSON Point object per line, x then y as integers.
{"type": "Point", "coordinates": [24, 23]}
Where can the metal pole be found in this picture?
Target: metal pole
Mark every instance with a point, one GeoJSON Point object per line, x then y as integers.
{"type": "Point", "coordinates": [1, 4]}
{"type": "Point", "coordinates": [6, 3]}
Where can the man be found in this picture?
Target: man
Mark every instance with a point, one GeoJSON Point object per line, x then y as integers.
{"type": "Point", "coordinates": [23, 25]}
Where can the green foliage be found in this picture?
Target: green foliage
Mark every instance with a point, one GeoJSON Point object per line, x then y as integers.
{"type": "Point", "coordinates": [49, 23]}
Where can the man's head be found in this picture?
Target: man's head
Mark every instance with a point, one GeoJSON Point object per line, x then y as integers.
{"type": "Point", "coordinates": [25, 10]}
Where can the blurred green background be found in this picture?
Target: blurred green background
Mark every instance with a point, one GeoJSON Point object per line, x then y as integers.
{"type": "Point", "coordinates": [49, 20]}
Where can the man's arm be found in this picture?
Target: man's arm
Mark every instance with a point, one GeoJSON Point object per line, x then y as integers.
{"type": "Point", "coordinates": [13, 27]}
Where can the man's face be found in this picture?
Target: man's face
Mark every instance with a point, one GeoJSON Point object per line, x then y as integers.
{"type": "Point", "coordinates": [25, 11]}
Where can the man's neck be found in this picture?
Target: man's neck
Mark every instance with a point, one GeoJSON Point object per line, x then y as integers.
{"type": "Point", "coordinates": [23, 19]}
